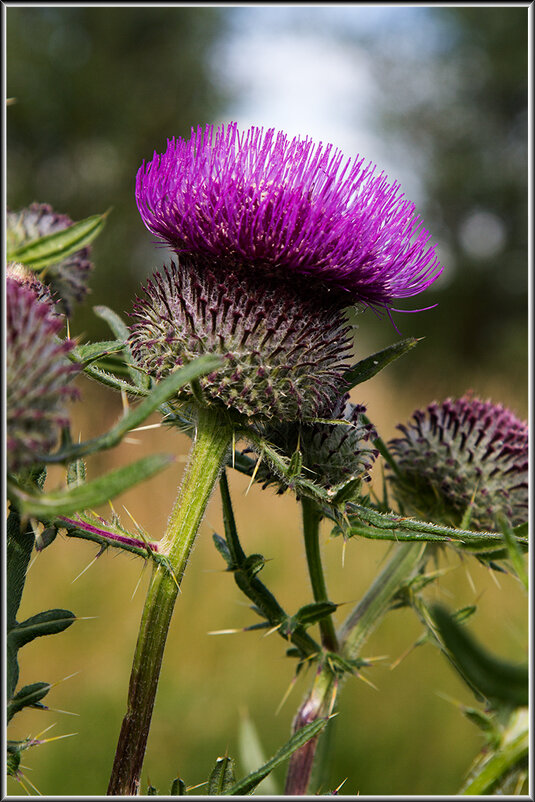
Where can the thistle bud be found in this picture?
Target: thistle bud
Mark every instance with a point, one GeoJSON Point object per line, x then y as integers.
{"type": "Point", "coordinates": [330, 453]}
{"type": "Point", "coordinates": [38, 376]}
{"type": "Point", "coordinates": [68, 279]}
{"type": "Point", "coordinates": [463, 453]}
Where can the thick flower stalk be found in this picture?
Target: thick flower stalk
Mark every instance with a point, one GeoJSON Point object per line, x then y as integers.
{"type": "Point", "coordinates": [68, 279]}
{"type": "Point", "coordinates": [463, 454]}
{"type": "Point", "coordinates": [38, 376]}
{"type": "Point", "coordinates": [275, 238]}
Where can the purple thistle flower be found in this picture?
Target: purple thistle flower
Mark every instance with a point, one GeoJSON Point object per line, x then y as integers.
{"type": "Point", "coordinates": [37, 376]}
{"type": "Point", "coordinates": [287, 208]}
{"type": "Point", "coordinates": [459, 453]}
{"type": "Point", "coordinates": [67, 279]}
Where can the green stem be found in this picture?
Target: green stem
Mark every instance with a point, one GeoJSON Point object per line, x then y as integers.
{"type": "Point", "coordinates": [356, 629]}
{"type": "Point", "coordinates": [375, 604]}
{"type": "Point", "coordinates": [311, 521]}
{"type": "Point", "coordinates": [208, 454]}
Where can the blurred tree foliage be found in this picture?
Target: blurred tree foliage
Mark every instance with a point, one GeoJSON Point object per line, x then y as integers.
{"type": "Point", "coordinates": [455, 98]}
{"type": "Point", "coordinates": [96, 91]}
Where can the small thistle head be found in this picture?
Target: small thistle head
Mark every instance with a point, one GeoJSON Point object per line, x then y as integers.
{"type": "Point", "coordinates": [38, 376]}
{"type": "Point", "coordinates": [332, 453]}
{"type": "Point", "coordinates": [288, 208]}
{"type": "Point", "coordinates": [68, 279]}
{"type": "Point", "coordinates": [462, 453]}
{"type": "Point", "coordinates": [27, 278]}
{"type": "Point", "coordinates": [283, 350]}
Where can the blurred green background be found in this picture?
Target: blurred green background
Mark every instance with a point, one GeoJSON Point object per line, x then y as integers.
{"type": "Point", "coordinates": [96, 91]}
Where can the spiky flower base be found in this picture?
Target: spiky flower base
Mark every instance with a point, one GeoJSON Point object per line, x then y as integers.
{"type": "Point", "coordinates": [37, 376]}
{"type": "Point", "coordinates": [283, 350]}
{"type": "Point", "coordinates": [459, 453]}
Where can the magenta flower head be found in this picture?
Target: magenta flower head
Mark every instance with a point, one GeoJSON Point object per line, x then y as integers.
{"type": "Point", "coordinates": [38, 376]}
{"type": "Point", "coordinates": [463, 453]}
{"type": "Point", "coordinates": [275, 239]}
{"type": "Point", "coordinates": [288, 208]}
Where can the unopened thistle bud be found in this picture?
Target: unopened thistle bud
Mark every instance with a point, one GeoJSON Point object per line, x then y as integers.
{"type": "Point", "coordinates": [331, 453]}
{"type": "Point", "coordinates": [38, 376]}
{"type": "Point", "coordinates": [459, 454]}
{"type": "Point", "coordinates": [68, 279]}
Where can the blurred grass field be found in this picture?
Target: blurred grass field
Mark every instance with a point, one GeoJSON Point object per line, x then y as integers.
{"type": "Point", "coordinates": [405, 737]}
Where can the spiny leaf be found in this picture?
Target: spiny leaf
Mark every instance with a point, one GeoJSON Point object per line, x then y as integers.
{"type": "Point", "coordinates": [178, 787]}
{"type": "Point", "coordinates": [221, 545]}
{"type": "Point", "coordinates": [298, 739]}
{"type": "Point", "coordinates": [28, 696]}
{"type": "Point", "coordinates": [122, 332]}
{"type": "Point", "coordinates": [85, 353]}
{"type": "Point", "coordinates": [400, 526]}
{"type": "Point", "coordinates": [369, 367]}
{"type": "Point", "coordinates": [222, 777]}
{"type": "Point", "coordinates": [90, 494]}
{"type": "Point", "coordinates": [110, 380]}
{"type": "Point", "coordinates": [48, 623]}
{"type": "Point", "coordinates": [159, 394]}
{"type": "Point", "coordinates": [53, 248]}
{"type": "Point", "coordinates": [316, 611]}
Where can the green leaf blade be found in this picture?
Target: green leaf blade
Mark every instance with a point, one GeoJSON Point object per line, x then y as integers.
{"type": "Point", "coordinates": [29, 696]}
{"type": "Point", "coordinates": [367, 368]}
{"type": "Point", "coordinates": [298, 739]}
{"type": "Point", "coordinates": [91, 494]}
{"type": "Point", "coordinates": [222, 777]}
{"type": "Point", "coordinates": [501, 682]}
{"type": "Point", "coordinates": [53, 248]}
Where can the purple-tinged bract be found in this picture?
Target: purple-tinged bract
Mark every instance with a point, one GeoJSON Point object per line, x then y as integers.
{"type": "Point", "coordinates": [287, 207]}
{"type": "Point", "coordinates": [463, 453]}
{"type": "Point", "coordinates": [38, 375]}
{"type": "Point", "coordinates": [27, 278]}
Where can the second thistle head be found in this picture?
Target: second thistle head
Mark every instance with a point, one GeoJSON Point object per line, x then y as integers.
{"type": "Point", "coordinates": [463, 454]}
{"type": "Point", "coordinates": [38, 376]}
